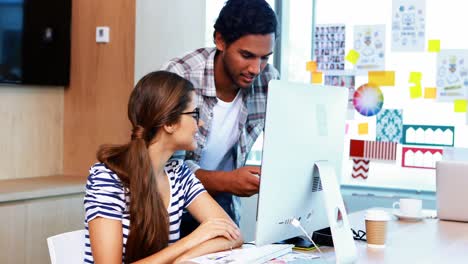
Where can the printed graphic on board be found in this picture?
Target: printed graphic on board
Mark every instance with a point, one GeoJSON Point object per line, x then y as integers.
{"type": "Point", "coordinates": [368, 100]}
{"type": "Point", "coordinates": [329, 47]}
{"type": "Point", "coordinates": [408, 25]}
{"type": "Point", "coordinates": [424, 158]}
{"type": "Point", "coordinates": [360, 168]}
{"type": "Point", "coordinates": [452, 74]}
{"type": "Point", "coordinates": [372, 150]}
{"type": "Point", "coordinates": [428, 135]}
{"type": "Point", "coordinates": [369, 42]}
{"type": "Point", "coordinates": [389, 125]}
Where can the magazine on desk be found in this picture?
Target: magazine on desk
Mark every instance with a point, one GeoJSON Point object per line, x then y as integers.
{"type": "Point", "coordinates": [246, 254]}
{"type": "Point", "coordinates": [293, 257]}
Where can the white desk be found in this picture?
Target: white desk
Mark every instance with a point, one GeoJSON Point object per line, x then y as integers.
{"type": "Point", "coordinates": [426, 241]}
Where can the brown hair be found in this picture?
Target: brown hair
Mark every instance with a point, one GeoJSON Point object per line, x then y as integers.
{"type": "Point", "coordinates": [157, 100]}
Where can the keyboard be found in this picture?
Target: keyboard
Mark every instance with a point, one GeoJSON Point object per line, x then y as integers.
{"type": "Point", "coordinates": [250, 254]}
{"type": "Point", "coordinates": [261, 254]}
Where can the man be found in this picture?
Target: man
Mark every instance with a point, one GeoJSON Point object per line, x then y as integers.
{"type": "Point", "coordinates": [231, 83]}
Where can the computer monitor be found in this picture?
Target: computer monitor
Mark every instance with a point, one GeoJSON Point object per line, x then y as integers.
{"type": "Point", "coordinates": [305, 124]}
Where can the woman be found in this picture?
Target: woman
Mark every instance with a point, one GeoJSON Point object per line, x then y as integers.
{"type": "Point", "coordinates": [135, 195]}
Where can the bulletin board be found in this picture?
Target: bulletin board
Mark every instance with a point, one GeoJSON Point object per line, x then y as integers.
{"type": "Point", "coordinates": [405, 63]}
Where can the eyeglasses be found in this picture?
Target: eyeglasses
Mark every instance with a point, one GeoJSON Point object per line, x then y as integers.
{"type": "Point", "coordinates": [195, 114]}
{"type": "Point", "coordinates": [359, 235]}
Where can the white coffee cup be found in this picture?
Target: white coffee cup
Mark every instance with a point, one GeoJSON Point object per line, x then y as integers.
{"type": "Point", "coordinates": [409, 207]}
{"type": "Point", "coordinates": [376, 228]}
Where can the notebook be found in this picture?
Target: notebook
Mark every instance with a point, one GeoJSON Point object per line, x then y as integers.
{"type": "Point", "coordinates": [452, 190]}
{"type": "Point", "coordinates": [246, 254]}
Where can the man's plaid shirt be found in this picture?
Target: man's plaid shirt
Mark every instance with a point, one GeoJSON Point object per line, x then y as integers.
{"type": "Point", "coordinates": [198, 67]}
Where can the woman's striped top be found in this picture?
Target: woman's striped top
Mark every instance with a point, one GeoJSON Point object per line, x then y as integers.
{"type": "Point", "coordinates": [107, 197]}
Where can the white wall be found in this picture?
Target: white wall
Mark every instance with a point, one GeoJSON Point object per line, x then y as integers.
{"type": "Point", "coordinates": [166, 29]}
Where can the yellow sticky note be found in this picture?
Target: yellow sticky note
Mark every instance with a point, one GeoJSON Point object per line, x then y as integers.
{"type": "Point", "coordinates": [430, 92]}
{"type": "Point", "coordinates": [459, 106]}
{"type": "Point", "coordinates": [415, 77]}
{"type": "Point", "coordinates": [363, 128]}
{"type": "Point", "coordinates": [433, 45]}
{"type": "Point", "coordinates": [317, 77]}
{"type": "Point", "coordinates": [415, 91]}
{"type": "Point", "coordinates": [382, 78]}
{"type": "Point", "coordinates": [352, 56]}
{"type": "Point", "coordinates": [311, 66]}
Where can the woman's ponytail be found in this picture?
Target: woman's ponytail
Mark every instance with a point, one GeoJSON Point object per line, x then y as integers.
{"type": "Point", "coordinates": [158, 99]}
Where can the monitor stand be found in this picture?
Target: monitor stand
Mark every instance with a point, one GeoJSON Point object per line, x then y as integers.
{"type": "Point", "coordinates": [345, 249]}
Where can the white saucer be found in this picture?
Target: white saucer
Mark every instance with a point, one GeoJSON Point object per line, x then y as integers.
{"type": "Point", "coordinates": [403, 217]}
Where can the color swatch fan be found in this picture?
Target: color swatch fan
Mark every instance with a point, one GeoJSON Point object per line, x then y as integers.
{"type": "Point", "coordinates": [368, 100]}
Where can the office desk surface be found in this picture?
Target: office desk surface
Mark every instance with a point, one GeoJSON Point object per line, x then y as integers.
{"type": "Point", "coordinates": [426, 241]}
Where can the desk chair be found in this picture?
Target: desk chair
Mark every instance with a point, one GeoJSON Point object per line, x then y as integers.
{"type": "Point", "coordinates": [67, 247]}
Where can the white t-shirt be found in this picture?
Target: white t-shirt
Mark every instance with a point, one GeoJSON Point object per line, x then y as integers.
{"type": "Point", "coordinates": [218, 153]}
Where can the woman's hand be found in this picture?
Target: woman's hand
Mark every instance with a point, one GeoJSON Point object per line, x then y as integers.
{"type": "Point", "coordinates": [214, 227]}
{"type": "Point", "coordinates": [217, 231]}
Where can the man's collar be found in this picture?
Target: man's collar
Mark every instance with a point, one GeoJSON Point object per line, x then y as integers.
{"type": "Point", "coordinates": [209, 86]}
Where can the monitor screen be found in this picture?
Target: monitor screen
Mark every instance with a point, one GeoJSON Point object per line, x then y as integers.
{"type": "Point", "coordinates": [35, 41]}
{"type": "Point", "coordinates": [304, 124]}
{"type": "Point", "coordinates": [11, 28]}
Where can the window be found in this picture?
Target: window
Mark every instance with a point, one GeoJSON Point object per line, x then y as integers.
{"type": "Point", "coordinates": [296, 45]}
{"type": "Point", "coordinates": [439, 20]}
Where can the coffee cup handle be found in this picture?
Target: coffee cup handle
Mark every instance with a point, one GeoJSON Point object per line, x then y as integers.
{"type": "Point", "coordinates": [395, 204]}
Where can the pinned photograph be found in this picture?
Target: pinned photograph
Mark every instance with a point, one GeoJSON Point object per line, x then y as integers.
{"type": "Point", "coordinates": [329, 47]}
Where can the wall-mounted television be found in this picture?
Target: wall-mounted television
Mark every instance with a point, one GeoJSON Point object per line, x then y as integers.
{"type": "Point", "coordinates": [35, 41]}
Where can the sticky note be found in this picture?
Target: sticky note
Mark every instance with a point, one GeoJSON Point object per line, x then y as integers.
{"type": "Point", "coordinates": [311, 66]}
{"type": "Point", "coordinates": [352, 56]}
{"type": "Point", "coordinates": [430, 92]}
{"type": "Point", "coordinates": [415, 91]}
{"type": "Point", "coordinates": [317, 77]}
{"type": "Point", "coordinates": [459, 106]}
{"type": "Point", "coordinates": [382, 78]}
{"type": "Point", "coordinates": [363, 128]}
{"type": "Point", "coordinates": [415, 77]}
{"type": "Point", "coordinates": [433, 45]}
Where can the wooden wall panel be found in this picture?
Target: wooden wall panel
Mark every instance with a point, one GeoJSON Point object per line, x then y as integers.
{"type": "Point", "coordinates": [101, 81]}
{"type": "Point", "coordinates": [31, 131]}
